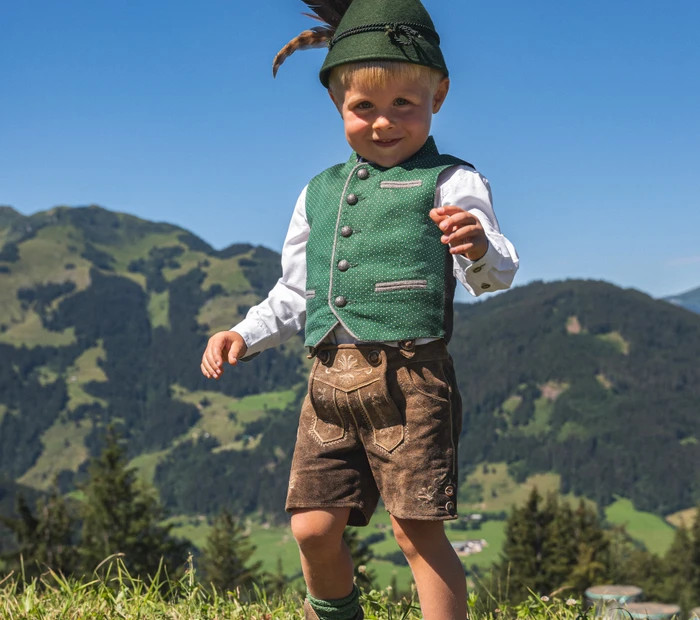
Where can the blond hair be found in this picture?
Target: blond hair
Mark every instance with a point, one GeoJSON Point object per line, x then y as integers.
{"type": "Point", "coordinates": [377, 73]}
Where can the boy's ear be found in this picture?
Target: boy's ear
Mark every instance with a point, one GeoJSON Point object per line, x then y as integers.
{"type": "Point", "coordinates": [338, 105]}
{"type": "Point", "coordinates": [441, 94]}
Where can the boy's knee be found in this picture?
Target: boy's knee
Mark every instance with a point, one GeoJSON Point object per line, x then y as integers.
{"type": "Point", "coordinates": [415, 538]}
{"type": "Point", "coordinates": [316, 530]}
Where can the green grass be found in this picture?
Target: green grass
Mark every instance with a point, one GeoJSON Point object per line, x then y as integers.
{"type": "Point", "coordinates": [64, 448]}
{"type": "Point", "coordinates": [512, 403]}
{"type": "Point", "coordinates": [126, 251]}
{"type": "Point", "coordinates": [85, 370]}
{"type": "Point", "coordinates": [227, 273]}
{"type": "Point", "coordinates": [539, 424]}
{"type": "Point", "coordinates": [500, 491]}
{"type": "Point", "coordinates": [225, 417]}
{"type": "Point", "coordinates": [158, 306]}
{"type": "Point", "coordinates": [145, 464]}
{"type": "Point", "coordinates": [617, 341]}
{"type": "Point", "coordinates": [114, 594]}
{"type": "Point", "coordinates": [493, 532]}
{"type": "Point", "coordinates": [43, 259]}
{"type": "Point", "coordinates": [221, 312]}
{"type": "Point", "coordinates": [30, 332]}
{"type": "Point", "coordinates": [648, 528]}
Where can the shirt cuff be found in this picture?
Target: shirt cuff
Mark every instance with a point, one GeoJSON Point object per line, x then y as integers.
{"type": "Point", "coordinates": [476, 273]}
{"type": "Point", "coordinates": [253, 334]}
{"type": "Point", "coordinates": [476, 266]}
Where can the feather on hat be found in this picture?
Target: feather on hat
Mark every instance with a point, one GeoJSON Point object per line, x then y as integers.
{"type": "Point", "coordinates": [368, 30]}
{"type": "Point", "coordinates": [329, 12]}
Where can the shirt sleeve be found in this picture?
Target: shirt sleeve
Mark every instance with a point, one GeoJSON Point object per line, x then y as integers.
{"type": "Point", "coordinates": [464, 187]}
{"type": "Point", "coordinates": [283, 313]}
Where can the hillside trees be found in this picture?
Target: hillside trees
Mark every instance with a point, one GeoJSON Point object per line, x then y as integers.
{"type": "Point", "coordinates": [45, 539]}
{"type": "Point", "coordinates": [549, 545]}
{"type": "Point", "coordinates": [226, 556]}
{"type": "Point", "coordinates": [627, 384]}
{"type": "Point", "coordinates": [115, 515]}
{"type": "Point", "coordinates": [120, 516]}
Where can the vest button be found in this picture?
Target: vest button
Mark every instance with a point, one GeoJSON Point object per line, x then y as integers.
{"type": "Point", "coordinates": [343, 265]}
{"type": "Point", "coordinates": [346, 231]}
{"type": "Point", "coordinates": [374, 358]}
{"type": "Point", "coordinates": [363, 174]}
{"type": "Point", "coordinates": [352, 199]}
{"type": "Point", "coordinates": [341, 302]}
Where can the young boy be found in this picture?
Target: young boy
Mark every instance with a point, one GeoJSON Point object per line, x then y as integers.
{"type": "Point", "coordinates": [369, 268]}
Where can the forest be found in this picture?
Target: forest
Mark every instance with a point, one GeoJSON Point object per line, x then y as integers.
{"type": "Point", "coordinates": [596, 383]}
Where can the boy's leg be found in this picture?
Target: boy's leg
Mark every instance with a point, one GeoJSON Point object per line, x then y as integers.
{"type": "Point", "coordinates": [439, 574]}
{"type": "Point", "coordinates": [325, 558]}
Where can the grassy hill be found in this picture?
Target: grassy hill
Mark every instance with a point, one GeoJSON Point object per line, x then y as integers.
{"type": "Point", "coordinates": [578, 386]}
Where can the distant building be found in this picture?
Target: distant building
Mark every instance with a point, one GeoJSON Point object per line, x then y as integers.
{"type": "Point", "coordinates": [469, 547]}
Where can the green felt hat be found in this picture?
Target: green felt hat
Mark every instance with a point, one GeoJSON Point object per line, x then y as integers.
{"type": "Point", "coordinates": [384, 30]}
{"type": "Point", "coordinates": [366, 30]}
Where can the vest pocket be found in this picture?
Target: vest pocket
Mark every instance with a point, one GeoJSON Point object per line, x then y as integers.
{"type": "Point", "coordinates": [310, 294]}
{"type": "Point", "coordinates": [400, 285]}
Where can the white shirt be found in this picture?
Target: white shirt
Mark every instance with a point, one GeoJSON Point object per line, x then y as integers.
{"type": "Point", "coordinates": [283, 313]}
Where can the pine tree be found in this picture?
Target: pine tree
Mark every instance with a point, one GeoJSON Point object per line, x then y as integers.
{"type": "Point", "coordinates": [559, 548]}
{"type": "Point", "coordinates": [550, 547]}
{"type": "Point", "coordinates": [45, 540]}
{"type": "Point", "coordinates": [122, 516]}
{"type": "Point", "coordinates": [522, 558]}
{"type": "Point", "coordinates": [680, 573]}
{"type": "Point", "coordinates": [226, 556]}
{"type": "Point", "coordinates": [592, 549]}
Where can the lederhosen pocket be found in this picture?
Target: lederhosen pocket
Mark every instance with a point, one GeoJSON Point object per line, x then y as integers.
{"type": "Point", "coordinates": [347, 373]}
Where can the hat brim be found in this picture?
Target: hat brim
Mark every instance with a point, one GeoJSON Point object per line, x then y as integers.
{"type": "Point", "coordinates": [368, 46]}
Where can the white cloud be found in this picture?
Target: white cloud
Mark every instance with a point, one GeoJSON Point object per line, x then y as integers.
{"type": "Point", "coordinates": [680, 262]}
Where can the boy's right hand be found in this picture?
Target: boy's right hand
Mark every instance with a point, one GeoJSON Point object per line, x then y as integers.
{"type": "Point", "coordinates": [229, 345]}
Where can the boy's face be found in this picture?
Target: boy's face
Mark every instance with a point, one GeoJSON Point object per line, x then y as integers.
{"type": "Point", "coordinates": [387, 124]}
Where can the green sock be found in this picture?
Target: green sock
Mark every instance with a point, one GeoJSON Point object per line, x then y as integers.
{"type": "Point", "coordinates": [338, 609]}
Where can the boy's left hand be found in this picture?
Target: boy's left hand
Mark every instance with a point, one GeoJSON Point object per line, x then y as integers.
{"type": "Point", "coordinates": [462, 231]}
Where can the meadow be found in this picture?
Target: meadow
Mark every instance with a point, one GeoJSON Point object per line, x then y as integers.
{"type": "Point", "coordinates": [275, 545]}
{"type": "Point", "coordinates": [114, 594]}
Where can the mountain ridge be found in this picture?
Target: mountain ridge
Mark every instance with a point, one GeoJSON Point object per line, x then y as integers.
{"type": "Point", "coordinates": [105, 315]}
{"type": "Point", "coordinates": [690, 300]}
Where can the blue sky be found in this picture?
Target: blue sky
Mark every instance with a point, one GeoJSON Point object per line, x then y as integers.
{"type": "Point", "coordinates": [585, 117]}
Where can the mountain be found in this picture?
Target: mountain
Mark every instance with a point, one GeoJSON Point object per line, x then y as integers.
{"type": "Point", "coordinates": [104, 316]}
{"type": "Point", "coordinates": [689, 300]}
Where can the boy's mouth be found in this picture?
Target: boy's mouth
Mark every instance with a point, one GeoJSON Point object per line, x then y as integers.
{"type": "Point", "coordinates": [386, 143]}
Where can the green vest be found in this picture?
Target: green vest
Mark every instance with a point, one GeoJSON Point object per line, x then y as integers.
{"type": "Point", "coordinates": [374, 259]}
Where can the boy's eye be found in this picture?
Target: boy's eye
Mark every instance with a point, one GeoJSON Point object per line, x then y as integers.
{"type": "Point", "coordinates": [364, 105]}
{"type": "Point", "coordinates": [401, 101]}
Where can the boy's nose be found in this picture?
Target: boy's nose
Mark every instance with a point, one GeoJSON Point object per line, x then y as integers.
{"type": "Point", "coordinates": [382, 122]}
